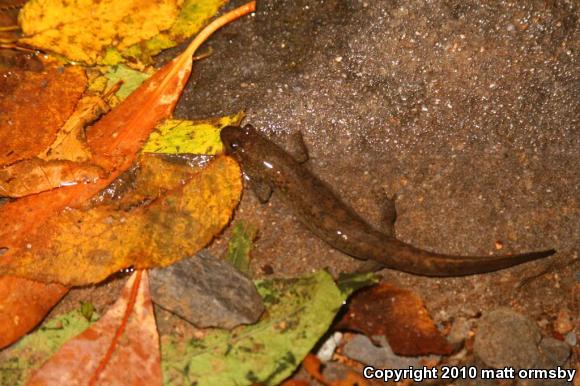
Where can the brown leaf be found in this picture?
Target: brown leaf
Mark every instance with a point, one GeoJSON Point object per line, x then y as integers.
{"type": "Point", "coordinates": [400, 316]}
{"type": "Point", "coordinates": [33, 106]}
{"type": "Point", "coordinates": [36, 175]}
{"type": "Point", "coordinates": [122, 348]}
{"type": "Point", "coordinates": [24, 304]}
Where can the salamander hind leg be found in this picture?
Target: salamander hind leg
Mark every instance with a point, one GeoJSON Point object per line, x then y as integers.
{"type": "Point", "coordinates": [298, 147]}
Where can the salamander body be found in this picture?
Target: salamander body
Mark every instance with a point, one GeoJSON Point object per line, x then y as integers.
{"type": "Point", "coordinates": [268, 167]}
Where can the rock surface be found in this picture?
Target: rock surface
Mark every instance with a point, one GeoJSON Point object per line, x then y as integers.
{"type": "Point", "coordinates": [506, 338]}
{"type": "Point", "coordinates": [207, 292]}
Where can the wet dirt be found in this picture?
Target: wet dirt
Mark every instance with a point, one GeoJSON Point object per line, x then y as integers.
{"type": "Point", "coordinates": [467, 113]}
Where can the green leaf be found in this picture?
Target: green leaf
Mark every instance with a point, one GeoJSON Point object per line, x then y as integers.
{"type": "Point", "coordinates": [351, 282]}
{"type": "Point", "coordinates": [187, 137]}
{"type": "Point", "coordinates": [87, 310]}
{"type": "Point", "coordinates": [238, 254]}
{"type": "Point", "coordinates": [19, 361]}
{"type": "Point", "coordinates": [299, 311]}
{"type": "Point", "coordinates": [131, 79]}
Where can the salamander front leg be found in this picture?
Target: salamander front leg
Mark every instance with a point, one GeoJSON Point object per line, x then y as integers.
{"type": "Point", "coordinates": [262, 190]}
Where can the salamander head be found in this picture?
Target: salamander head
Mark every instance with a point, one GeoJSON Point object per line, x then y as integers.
{"type": "Point", "coordinates": [236, 138]}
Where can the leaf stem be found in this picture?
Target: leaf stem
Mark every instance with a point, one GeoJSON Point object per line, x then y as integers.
{"type": "Point", "coordinates": [218, 23]}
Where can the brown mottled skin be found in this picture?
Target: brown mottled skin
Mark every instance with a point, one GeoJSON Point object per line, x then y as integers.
{"type": "Point", "coordinates": [267, 166]}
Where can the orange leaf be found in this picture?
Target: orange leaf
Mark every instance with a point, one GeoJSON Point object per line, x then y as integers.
{"type": "Point", "coordinates": [122, 348]}
{"type": "Point", "coordinates": [312, 365]}
{"type": "Point", "coordinates": [24, 304]}
{"type": "Point", "coordinates": [400, 316]}
{"type": "Point", "coordinates": [33, 106]}
{"type": "Point", "coordinates": [128, 125]}
{"type": "Point", "coordinates": [35, 175]}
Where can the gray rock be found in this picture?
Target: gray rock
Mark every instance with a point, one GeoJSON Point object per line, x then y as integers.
{"type": "Point", "coordinates": [506, 338]}
{"type": "Point", "coordinates": [555, 352]}
{"type": "Point", "coordinates": [207, 292]}
{"type": "Point", "coordinates": [361, 349]}
{"type": "Point", "coordinates": [571, 338]}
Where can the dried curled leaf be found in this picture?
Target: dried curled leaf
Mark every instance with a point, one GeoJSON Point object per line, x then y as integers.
{"type": "Point", "coordinates": [400, 316]}
{"type": "Point", "coordinates": [85, 246]}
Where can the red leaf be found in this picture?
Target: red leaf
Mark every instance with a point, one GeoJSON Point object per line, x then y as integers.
{"type": "Point", "coordinates": [122, 348]}
{"type": "Point", "coordinates": [400, 316]}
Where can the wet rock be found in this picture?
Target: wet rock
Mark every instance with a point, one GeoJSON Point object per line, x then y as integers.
{"type": "Point", "coordinates": [555, 352]}
{"type": "Point", "coordinates": [207, 292]}
{"type": "Point", "coordinates": [361, 349]}
{"type": "Point", "coordinates": [506, 338]}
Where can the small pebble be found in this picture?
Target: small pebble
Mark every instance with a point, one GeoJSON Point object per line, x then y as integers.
{"type": "Point", "coordinates": [506, 338]}
{"type": "Point", "coordinates": [361, 349]}
{"type": "Point", "coordinates": [327, 349]}
{"type": "Point", "coordinates": [555, 352]}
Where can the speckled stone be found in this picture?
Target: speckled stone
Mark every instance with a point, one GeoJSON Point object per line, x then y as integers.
{"type": "Point", "coordinates": [207, 292]}
{"type": "Point", "coordinates": [506, 338]}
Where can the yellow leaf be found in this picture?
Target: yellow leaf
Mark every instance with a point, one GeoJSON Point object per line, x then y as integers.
{"type": "Point", "coordinates": [190, 137]}
{"type": "Point", "coordinates": [81, 30]}
{"type": "Point", "coordinates": [83, 246]}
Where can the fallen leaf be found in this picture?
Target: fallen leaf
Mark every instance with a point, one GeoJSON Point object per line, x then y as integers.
{"type": "Point", "coordinates": [70, 142]}
{"type": "Point", "coordinates": [85, 246]}
{"type": "Point", "coordinates": [82, 30]}
{"type": "Point", "coordinates": [18, 362]}
{"type": "Point", "coordinates": [131, 122]}
{"type": "Point", "coordinates": [193, 16]}
{"type": "Point", "coordinates": [190, 137]}
{"type": "Point", "coordinates": [131, 79]}
{"type": "Point", "coordinates": [33, 106]}
{"type": "Point", "coordinates": [24, 303]}
{"type": "Point", "coordinates": [64, 162]}
{"type": "Point", "coordinates": [122, 348]}
{"type": "Point", "coordinates": [36, 175]}
{"type": "Point", "coordinates": [400, 316]}
{"type": "Point", "coordinates": [238, 254]}
{"type": "Point", "coordinates": [298, 312]}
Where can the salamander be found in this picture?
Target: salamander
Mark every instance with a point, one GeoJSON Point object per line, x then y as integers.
{"type": "Point", "coordinates": [268, 167]}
